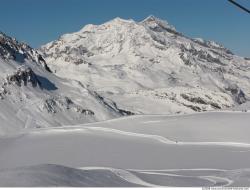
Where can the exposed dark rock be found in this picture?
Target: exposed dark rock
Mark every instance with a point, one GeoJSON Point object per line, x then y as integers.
{"type": "Point", "coordinates": [11, 49]}
{"type": "Point", "coordinates": [200, 54]}
{"type": "Point", "coordinates": [111, 105]}
{"type": "Point", "coordinates": [195, 108]}
{"type": "Point", "coordinates": [186, 61]}
{"type": "Point", "coordinates": [237, 93]}
{"type": "Point", "coordinates": [211, 44]}
{"type": "Point", "coordinates": [199, 100]}
{"type": "Point", "coordinates": [59, 104]}
{"type": "Point", "coordinates": [25, 76]}
{"type": "Point", "coordinates": [85, 111]}
{"type": "Point", "coordinates": [158, 25]}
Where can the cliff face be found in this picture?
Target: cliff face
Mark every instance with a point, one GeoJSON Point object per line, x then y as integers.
{"type": "Point", "coordinates": [11, 49]}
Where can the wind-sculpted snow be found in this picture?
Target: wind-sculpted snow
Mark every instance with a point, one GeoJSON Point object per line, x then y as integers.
{"type": "Point", "coordinates": [131, 62]}
{"type": "Point", "coordinates": [50, 175]}
{"type": "Point", "coordinates": [206, 149]}
{"type": "Point", "coordinates": [54, 176]}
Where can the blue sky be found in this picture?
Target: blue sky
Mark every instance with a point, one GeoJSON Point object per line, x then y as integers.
{"type": "Point", "coordinates": [40, 21]}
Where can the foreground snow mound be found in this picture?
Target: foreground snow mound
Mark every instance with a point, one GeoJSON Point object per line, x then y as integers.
{"type": "Point", "coordinates": [32, 97]}
{"type": "Point", "coordinates": [50, 175]}
{"type": "Point", "coordinates": [56, 175]}
{"type": "Point", "coordinates": [129, 62]}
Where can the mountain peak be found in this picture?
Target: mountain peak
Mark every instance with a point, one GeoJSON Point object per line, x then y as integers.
{"type": "Point", "coordinates": [120, 20]}
{"type": "Point", "coordinates": [158, 24]}
{"type": "Point", "coordinates": [115, 21]}
{"type": "Point", "coordinates": [151, 18]}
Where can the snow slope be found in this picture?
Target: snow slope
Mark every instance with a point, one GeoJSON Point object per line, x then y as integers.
{"type": "Point", "coordinates": [33, 97]}
{"type": "Point", "coordinates": [203, 149]}
{"type": "Point", "coordinates": [50, 175]}
{"type": "Point", "coordinates": [53, 175]}
{"type": "Point", "coordinates": [148, 67]}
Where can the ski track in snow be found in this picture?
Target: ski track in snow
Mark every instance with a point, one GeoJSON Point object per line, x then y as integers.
{"type": "Point", "coordinates": [157, 138]}
{"type": "Point", "coordinates": [154, 137]}
{"type": "Point", "coordinates": [214, 179]}
{"type": "Point", "coordinates": [149, 122]}
{"type": "Point", "coordinates": [124, 174]}
{"type": "Point", "coordinates": [56, 175]}
{"type": "Point", "coordinates": [167, 140]}
{"type": "Point", "coordinates": [218, 181]}
{"type": "Point", "coordinates": [128, 176]}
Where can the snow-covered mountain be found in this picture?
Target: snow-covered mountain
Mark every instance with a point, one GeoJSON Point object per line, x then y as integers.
{"type": "Point", "coordinates": [150, 67]}
{"type": "Point", "coordinates": [31, 96]}
{"type": "Point", "coordinates": [119, 68]}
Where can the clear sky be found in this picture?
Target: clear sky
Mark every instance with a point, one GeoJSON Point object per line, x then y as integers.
{"type": "Point", "coordinates": [40, 21]}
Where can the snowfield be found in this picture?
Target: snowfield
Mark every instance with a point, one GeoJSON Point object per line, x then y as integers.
{"type": "Point", "coordinates": [206, 149]}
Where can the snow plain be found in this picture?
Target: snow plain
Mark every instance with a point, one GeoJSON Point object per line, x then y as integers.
{"type": "Point", "coordinates": [206, 149]}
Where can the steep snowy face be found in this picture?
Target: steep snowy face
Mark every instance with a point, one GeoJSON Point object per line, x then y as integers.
{"type": "Point", "coordinates": [33, 97]}
{"type": "Point", "coordinates": [11, 49]}
{"type": "Point", "coordinates": [150, 67]}
{"type": "Point", "coordinates": [110, 39]}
